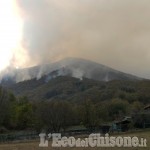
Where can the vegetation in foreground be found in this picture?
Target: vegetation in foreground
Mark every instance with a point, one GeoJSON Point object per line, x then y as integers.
{"type": "Point", "coordinates": [74, 103]}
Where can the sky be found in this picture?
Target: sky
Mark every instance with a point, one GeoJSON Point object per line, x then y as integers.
{"type": "Point", "coordinates": [115, 33]}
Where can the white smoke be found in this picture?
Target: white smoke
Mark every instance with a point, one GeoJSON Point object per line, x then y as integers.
{"type": "Point", "coordinates": [115, 32]}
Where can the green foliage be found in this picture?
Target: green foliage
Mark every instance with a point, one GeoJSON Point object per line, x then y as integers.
{"type": "Point", "coordinates": [89, 115]}
{"type": "Point", "coordinates": [4, 104]}
{"type": "Point", "coordinates": [67, 101]}
{"type": "Point", "coordinates": [24, 115]}
{"type": "Point", "coordinates": [136, 107]}
{"type": "Point", "coordinates": [15, 114]}
{"type": "Point", "coordinates": [118, 108]}
{"type": "Point", "coordinates": [74, 90]}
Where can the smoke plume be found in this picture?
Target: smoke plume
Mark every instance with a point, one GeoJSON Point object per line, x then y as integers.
{"type": "Point", "coordinates": [112, 32]}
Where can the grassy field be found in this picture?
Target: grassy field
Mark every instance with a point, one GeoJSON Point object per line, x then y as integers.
{"type": "Point", "coordinates": [34, 145]}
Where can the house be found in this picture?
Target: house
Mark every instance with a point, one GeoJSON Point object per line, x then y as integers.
{"type": "Point", "coordinates": [147, 108]}
{"type": "Point", "coordinates": [121, 125]}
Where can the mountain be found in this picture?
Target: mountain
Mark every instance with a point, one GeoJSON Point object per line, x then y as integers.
{"type": "Point", "coordinates": [70, 79]}
{"type": "Point", "coordinates": [73, 67]}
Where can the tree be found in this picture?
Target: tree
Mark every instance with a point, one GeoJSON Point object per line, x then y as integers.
{"type": "Point", "coordinates": [24, 114]}
{"type": "Point", "coordinates": [55, 115]}
{"type": "Point", "coordinates": [118, 108]}
{"type": "Point", "coordinates": [136, 106]}
{"type": "Point", "coordinates": [89, 115]}
{"type": "Point", "coordinates": [3, 104]}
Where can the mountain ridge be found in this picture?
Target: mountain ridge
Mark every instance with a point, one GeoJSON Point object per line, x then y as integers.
{"type": "Point", "coordinates": [75, 67]}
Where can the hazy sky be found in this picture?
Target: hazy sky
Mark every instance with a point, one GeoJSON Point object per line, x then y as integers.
{"type": "Point", "coordinates": [112, 32]}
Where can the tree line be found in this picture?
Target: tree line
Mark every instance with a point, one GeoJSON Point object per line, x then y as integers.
{"type": "Point", "coordinates": [21, 113]}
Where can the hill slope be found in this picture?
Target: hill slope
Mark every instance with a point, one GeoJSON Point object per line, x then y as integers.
{"type": "Point", "coordinates": [74, 67]}
{"type": "Point", "coordinates": [76, 90]}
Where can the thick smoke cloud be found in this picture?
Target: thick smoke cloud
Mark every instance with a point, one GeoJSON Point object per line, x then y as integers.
{"type": "Point", "coordinates": [112, 32]}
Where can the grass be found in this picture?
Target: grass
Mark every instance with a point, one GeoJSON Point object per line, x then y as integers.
{"type": "Point", "coordinates": [34, 145]}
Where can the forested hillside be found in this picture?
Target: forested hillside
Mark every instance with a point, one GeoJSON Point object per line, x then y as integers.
{"type": "Point", "coordinates": [66, 101]}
